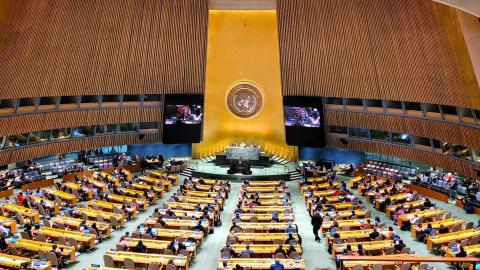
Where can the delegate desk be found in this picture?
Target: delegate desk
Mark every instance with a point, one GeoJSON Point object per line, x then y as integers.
{"type": "Point", "coordinates": [468, 250]}
{"type": "Point", "coordinates": [138, 193]}
{"type": "Point", "coordinates": [74, 223]}
{"type": "Point", "coordinates": [264, 183]}
{"type": "Point", "coordinates": [54, 207]}
{"type": "Point", "coordinates": [263, 190]}
{"type": "Point", "coordinates": [355, 180]}
{"type": "Point", "coordinates": [160, 175]}
{"type": "Point", "coordinates": [320, 187]}
{"type": "Point", "coordinates": [144, 187]}
{"type": "Point", "coordinates": [170, 234]}
{"type": "Point", "coordinates": [261, 264]}
{"type": "Point", "coordinates": [443, 239]}
{"type": "Point", "coordinates": [64, 196]}
{"type": "Point", "coordinates": [267, 209]}
{"type": "Point", "coordinates": [109, 206]}
{"type": "Point", "coordinates": [268, 195]}
{"type": "Point", "coordinates": [450, 222]}
{"type": "Point", "coordinates": [319, 193]}
{"type": "Point", "coordinates": [264, 217]}
{"type": "Point", "coordinates": [206, 194]}
{"type": "Point", "coordinates": [353, 224]}
{"type": "Point", "coordinates": [110, 178]}
{"type": "Point", "coordinates": [33, 247]}
{"type": "Point", "coordinates": [262, 250]}
{"type": "Point", "coordinates": [360, 235]}
{"type": "Point", "coordinates": [346, 213]}
{"type": "Point", "coordinates": [427, 214]}
{"type": "Point", "coordinates": [25, 212]}
{"type": "Point", "coordinates": [266, 238]}
{"type": "Point", "coordinates": [147, 259]}
{"type": "Point", "coordinates": [370, 246]}
{"type": "Point", "coordinates": [264, 227]}
{"type": "Point", "coordinates": [156, 182]}
{"type": "Point", "coordinates": [407, 205]}
{"type": "Point", "coordinates": [192, 206]}
{"type": "Point", "coordinates": [141, 202]}
{"type": "Point", "coordinates": [87, 240]}
{"type": "Point", "coordinates": [76, 187]}
{"type": "Point", "coordinates": [9, 223]}
{"type": "Point", "coordinates": [395, 198]}
{"type": "Point", "coordinates": [18, 262]}
{"type": "Point", "coordinates": [158, 246]}
{"type": "Point", "coordinates": [171, 223]}
{"type": "Point", "coordinates": [196, 200]}
{"type": "Point", "coordinates": [185, 213]}
{"type": "Point", "coordinates": [93, 214]}
{"type": "Point", "coordinates": [269, 202]}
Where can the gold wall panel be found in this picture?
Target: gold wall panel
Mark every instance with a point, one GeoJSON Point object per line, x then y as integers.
{"type": "Point", "coordinates": [243, 46]}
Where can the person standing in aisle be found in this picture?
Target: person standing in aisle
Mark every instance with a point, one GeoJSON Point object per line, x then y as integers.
{"type": "Point", "coordinates": [317, 221]}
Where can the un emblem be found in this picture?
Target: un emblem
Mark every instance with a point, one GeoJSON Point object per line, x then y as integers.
{"type": "Point", "coordinates": [244, 100]}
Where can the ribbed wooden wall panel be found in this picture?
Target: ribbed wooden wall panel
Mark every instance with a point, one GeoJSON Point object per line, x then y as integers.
{"type": "Point", "coordinates": [378, 49]}
{"type": "Point", "coordinates": [51, 120]}
{"type": "Point", "coordinates": [441, 130]}
{"type": "Point", "coordinates": [41, 150]}
{"type": "Point", "coordinates": [91, 47]}
{"type": "Point", "coordinates": [445, 162]}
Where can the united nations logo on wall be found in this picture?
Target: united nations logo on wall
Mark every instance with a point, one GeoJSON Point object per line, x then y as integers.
{"type": "Point", "coordinates": [244, 100]}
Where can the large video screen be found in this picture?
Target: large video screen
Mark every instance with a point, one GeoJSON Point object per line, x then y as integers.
{"type": "Point", "coordinates": [301, 116]}
{"type": "Point", "coordinates": [304, 124]}
{"type": "Point", "coordinates": [183, 114]}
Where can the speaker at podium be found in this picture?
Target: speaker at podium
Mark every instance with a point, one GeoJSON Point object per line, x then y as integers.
{"type": "Point", "coordinates": [240, 166]}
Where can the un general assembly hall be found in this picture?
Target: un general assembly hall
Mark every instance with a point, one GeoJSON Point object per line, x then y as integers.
{"type": "Point", "coordinates": [240, 134]}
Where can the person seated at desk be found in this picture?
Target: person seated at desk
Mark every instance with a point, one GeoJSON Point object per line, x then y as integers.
{"type": "Point", "coordinates": [3, 243]}
{"type": "Point", "coordinates": [277, 265]}
{"type": "Point", "coordinates": [291, 249]}
{"type": "Point", "coordinates": [175, 246]}
{"type": "Point", "coordinates": [373, 235]}
{"type": "Point", "coordinates": [149, 232]}
{"type": "Point", "coordinates": [399, 246]}
{"type": "Point", "coordinates": [140, 247]}
{"type": "Point", "coordinates": [360, 251]}
{"type": "Point", "coordinates": [235, 227]}
{"type": "Point", "coordinates": [442, 229]}
{"type": "Point", "coordinates": [247, 250]}
{"type": "Point", "coordinates": [229, 249]}
{"type": "Point", "coordinates": [280, 250]}
{"type": "Point", "coordinates": [122, 243]}
{"type": "Point", "coordinates": [425, 232]}
{"type": "Point", "coordinates": [57, 253]}
{"type": "Point", "coordinates": [199, 227]}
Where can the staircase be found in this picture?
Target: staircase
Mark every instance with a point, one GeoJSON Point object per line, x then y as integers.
{"type": "Point", "coordinates": [280, 160]}
{"type": "Point", "coordinates": [294, 175]}
{"type": "Point", "coordinates": [187, 172]}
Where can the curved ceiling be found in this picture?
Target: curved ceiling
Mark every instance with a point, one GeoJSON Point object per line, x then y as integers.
{"type": "Point", "coordinates": [469, 6]}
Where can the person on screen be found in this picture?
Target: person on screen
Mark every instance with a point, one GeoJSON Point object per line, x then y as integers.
{"type": "Point", "coordinates": [302, 118]}
{"type": "Point", "coordinates": [185, 114]}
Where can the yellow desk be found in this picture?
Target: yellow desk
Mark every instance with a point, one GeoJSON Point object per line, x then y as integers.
{"type": "Point", "coordinates": [426, 214]}
{"type": "Point", "coordinates": [108, 206]}
{"type": "Point", "coordinates": [27, 213]}
{"type": "Point", "coordinates": [259, 263]}
{"type": "Point", "coordinates": [76, 187]}
{"type": "Point", "coordinates": [443, 239]}
{"type": "Point", "coordinates": [146, 259]}
{"type": "Point", "coordinates": [87, 240]}
{"type": "Point", "coordinates": [360, 235]}
{"type": "Point", "coordinates": [34, 246]}
{"type": "Point", "coordinates": [144, 187]}
{"type": "Point", "coordinates": [138, 193]}
{"type": "Point", "coordinates": [170, 234]}
{"type": "Point", "coordinates": [346, 213]}
{"type": "Point", "coordinates": [156, 182]}
{"type": "Point", "coordinates": [263, 250]}
{"type": "Point", "coordinates": [272, 183]}
{"type": "Point", "coordinates": [176, 223]}
{"type": "Point", "coordinates": [468, 250]}
{"type": "Point", "coordinates": [74, 224]}
{"type": "Point", "coordinates": [354, 180]}
{"type": "Point", "coordinates": [263, 227]}
{"type": "Point", "coordinates": [92, 214]}
{"type": "Point", "coordinates": [110, 178]}
{"type": "Point", "coordinates": [368, 246]}
{"type": "Point", "coordinates": [191, 206]}
{"type": "Point", "coordinates": [354, 224]}
{"type": "Point", "coordinates": [263, 237]}
{"type": "Point", "coordinates": [265, 217]}
{"type": "Point", "coordinates": [395, 198]}
{"type": "Point", "coordinates": [16, 262]}
{"type": "Point", "coordinates": [181, 213]}
{"type": "Point", "coordinates": [156, 245]}
{"type": "Point", "coordinates": [267, 209]}
{"type": "Point", "coordinates": [263, 190]}
{"type": "Point", "coordinates": [450, 222]}
{"type": "Point", "coordinates": [64, 196]}
{"type": "Point", "coordinates": [53, 206]}
{"type": "Point", "coordinates": [142, 203]}
{"type": "Point", "coordinates": [186, 199]}
{"type": "Point", "coordinates": [407, 205]}
{"type": "Point", "coordinates": [9, 223]}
